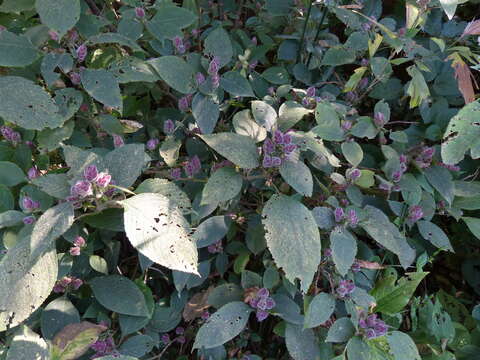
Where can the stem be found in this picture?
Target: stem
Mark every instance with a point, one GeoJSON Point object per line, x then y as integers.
{"type": "Point", "coordinates": [304, 30]}
{"type": "Point", "coordinates": [93, 7]}
{"type": "Point", "coordinates": [317, 34]}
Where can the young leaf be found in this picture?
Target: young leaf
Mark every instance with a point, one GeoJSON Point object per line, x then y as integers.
{"type": "Point", "coordinates": [302, 344]}
{"type": "Point", "coordinates": [223, 325]}
{"type": "Point", "coordinates": [352, 152]}
{"type": "Point", "coordinates": [157, 229]}
{"type": "Point", "coordinates": [319, 310]}
{"type": "Point", "coordinates": [344, 249]}
{"type": "Point", "coordinates": [298, 176]}
{"type": "Point", "coordinates": [292, 238]}
{"type": "Point", "coordinates": [264, 114]}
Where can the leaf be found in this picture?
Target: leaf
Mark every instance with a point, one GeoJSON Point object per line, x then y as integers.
{"type": "Point", "coordinates": [449, 6]}
{"type": "Point", "coordinates": [206, 112]}
{"type": "Point", "coordinates": [55, 185]}
{"type": "Point", "coordinates": [98, 264]}
{"type": "Point", "coordinates": [441, 179]}
{"type": "Point", "coordinates": [277, 75]}
{"type": "Point", "coordinates": [402, 346]}
{"type": "Point", "coordinates": [473, 225]}
{"type": "Point", "coordinates": [27, 345]}
{"type": "Point", "coordinates": [170, 150]}
{"type": "Point", "coordinates": [340, 331]}
{"type": "Point", "coordinates": [169, 20]}
{"type": "Point", "coordinates": [20, 295]}
{"type": "Point", "coordinates": [119, 294]}
{"type": "Point", "coordinates": [462, 132]}
{"type": "Point", "coordinates": [290, 113]}
{"type": "Point", "coordinates": [115, 38]}
{"type": "Point", "coordinates": [175, 72]}
{"type": "Point", "coordinates": [434, 234]}
{"type": "Point", "coordinates": [50, 139]}
{"type": "Point", "coordinates": [319, 310]}
{"type": "Point", "coordinates": [133, 69]}
{"type": "Point", "coordinates": [324, 217]}
{"type": "Point", "coordinates": [218, 44]}
{"type": "Point", "coordinates": [298, 176]}
{"type": "Point", "coordinates": [103, 87]}
{"type": "Point", "coordinates": [239, 149]}
{"type": "Point", "coordinates": [302, 344]}
{"type": "Point", "coordinates": [328, 123]}
{"type": "Point", "coordinates": [56, 315]}
{"type": "Point", "coordinates": [16, 6]}
{"type": "Point", "coordinates": [10, 218]}
{"type": "Point", "coordinates": [391, 297]}
{"type": "Point", "coordinates": [417, 87]}
{"type": "Point", "coordinates": [27, 105]}
{"type": "Point", "coordinates": [125, 163]}
{"type": "Point", "coordinates": [11, 174]}
{"type": "Point", "coordinates": [292, 238]}
{"type": "Point", "coordinates": [223, 325]}
{"type": "Point", "coordinates": [51, 225]}
{"type": "Point", "coordinates": [74, 340]}
{"type": "Point", "coordinates": [59, 15]}
{"type": "Point", "coordinates": [16, 50]}
{"type": "Point", "coordinates": [236, 85]}
{"type": "Point", "coordinates": [352, 152]}
{"type": "Point", "coordinates": [137, 345]}
{"type": "Point", "coordinates": [287, 309]}
{"type": "Point", "coordinates": [264, 114]}
{"type": "Point", "coordinates": [379, 227]}
{"type": "Point", "coordinates": [344, 249]}
{"type": "Point", "coordinates": [336, 56]}
{"type": "Point", "coordinates": [51, 62]}
{"type": "Point", "coordinates": [157, 229]}
{"type": "Point", "coordinates": [168, 189]}
{"type": "Point", "coordinates": [211, 230]}
{"type": "Point", "coordinates": [223, 185]}
{"type": "Point", "coordinates": [197, 305]}
{"type": "Point", "coordinates": [244, 125]}
{"type": "Point", "coordinates": [6, 198]}
{"type": "Point", "coordinates": [225, 294]}
{"type": "Point", "coordinates": [357, 349]}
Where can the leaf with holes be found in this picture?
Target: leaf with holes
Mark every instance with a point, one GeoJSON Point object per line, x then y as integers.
{"type": "Point", "coordinates": [434, 234]}
{"type": "Point", "coordinates": [168, 189]}
{"type": "Point", "coordinates": [223, 326]}
{"type": "Point", "coordinates": [103, 87]}
{"type": "Point", "coordinates": [157, 229]}
{"type": "Point", "coordinates": [292, 238]}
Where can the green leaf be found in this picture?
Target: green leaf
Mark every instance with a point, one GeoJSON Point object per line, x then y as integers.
{"type": "Point", "coordinates": [402, 346]}
{"type": "Point", "coordinates": [27, 105]}
{"type": "Point", "coordinates": [55, 185]}
{"type": "Point", "coordinates": [10, 218]}
{"type": "Point", "coordinates": [59, 15]}
{"type": "Point", "coordinates": [168, 189]}
{"type": "Point", "coordinates": [169, 20]}
{"type": "Point", "coordinates": [51, 62]}
{"type": "Point", "coordinates": [27, 345]}
{"type": "Point", "coordinates": [119, 294]}
{"type": "Point", "coordinates": [133, 69]}
{"type": "Point", "coordinates": [170, 150]}
{"type": "Point", "coordinates": [338, 56]}
{"type": "Point", "coordinates": [379, 227]}
{"type": "Point", "coordinates": [98, 264]}
{"type": "Point", "coordinates": [175, 72]}
{"type": "Point", "coordinates": [211, 230]}
{"type": "Point", "coordinates": [298, 176]}
{"type": "Point", "coordinates": [206, 112]}
{"type": "Point", "coordinates": [16, 6]}
{"type": "Point", "coordinates": [50, 139]}
{"type": "Point", "coordinates": [125, 163]}
{"type": "Point", "coordinates": [449, 6]}
{"type": "Point", "coordinates": [292, 238]}
{"type": "Point", "coordinates": [277, 75]}
{"type": "Point", "coordinates": [157, 229]}
{"type": "Point", "coordinates": [11, 174]}
{"type": "Point", "coordinates": [264, 114]}
{"type": "Point", "coordinates": [223, 185]}
{"type": "Point", "coordinates": [461, 134]}
{"type": "Point", "coordinates": [218, 44]}
{"type": "Point", "coordinates": [225, 294]}
{"type": "Point", "coordinates": [434, 234]}
{"type": "Point", "coordinates": [302, 344]}
{"type": "Point", "coordinates": [223, 325]}
{"type": "Point", "coordinates": [319, 310]}
{"type": "Point", "coordinates": [244, 125]}
{"type": "Point", "coordinates": [137, 345]}
{"type": "Point", "coordinates": [340, 331]}
{"type": "Point", "coordinates": [352, 152]}
{"type": "Point", "coordinates": [441, 179]}
{"type": "Point", "coordinates": [417, 87]}
{"type": "Point", "coordinates": [357, 349]}
{"type": "Point", "coordinates": [20, 295]}
{"type": "Point", "coordinates": [344, 249]}
{"type": "Point", "coordinates": [366, 179]}
{"type": "Point", "coordinates": [103, 87]}
{"type": "Point", "coordinates": [324, 217]}
{"type": "Point", "coordinates": [391, 297]}
{"type": "Point", "coordinates": [328, 123]}
{"type": "Point", "coordinates": [473, 225]}
{"type": "Point", "coordinates": [239, 149]}
{"type": "Point", "coordinates": [236, 85]}
{"type": "Point", "coordinates": [56, 315]}
{"type": "Point", "coordinates": [290, 113]}
{"type": "Point", "coordinates": [106, 38]}
{"type": "Point", "coordinates": [7, 201]}
{"type": "Point", "coordinates": [16, 50]}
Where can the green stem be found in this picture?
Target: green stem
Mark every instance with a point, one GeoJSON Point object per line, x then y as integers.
{"type": "Point", "coordinates": [317, 34]}
{"type": "Point", "coordinates": [304, 30]}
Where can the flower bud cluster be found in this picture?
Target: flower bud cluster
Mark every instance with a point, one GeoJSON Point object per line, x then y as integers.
{"type": "Point", "coordinates": [67, 283]}
{"type": "Point", "coordinates": [345, 288]}
{"type": "Point", "coordinates": [104, 347]}
{"type": "Point", "coordinates": [93, 183]}
{"type": "Point", "coordinates": [262, 302]}
{"type": "Point", "coordinates": [424, 159]}
{"type": "Point", "coordinates": [10, 135]}
{"type": "Point", "coordinates": [372, 327]}
{"type": "Point", "coordinates": [193, 166]}
{"type": "Point", "coordinates": [277, 149]}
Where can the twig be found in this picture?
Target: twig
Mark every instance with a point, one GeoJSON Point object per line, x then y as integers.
{"type": "Point", "coordinates": [317, 34]}
{"type": "Point", "coordinates": [93, 7]}
{"type": "Point", "coordinates": [304, 30]}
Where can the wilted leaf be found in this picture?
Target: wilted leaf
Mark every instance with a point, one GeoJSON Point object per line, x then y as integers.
{"type": "Point", "coordinates": [197, 305]}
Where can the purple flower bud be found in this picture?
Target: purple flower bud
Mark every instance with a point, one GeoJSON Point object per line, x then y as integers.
{"type": "Point", "coordinates": [254, 302]}
{"type": "Point", "coordinates": [215, 80]}
{"type": "Point", "coordinates": [379, 119]}
{"type": "Point", "coordinates": [311, 91]}
{"type": "Point", "coordinates": [199, 78]}
{"type": "Point", "coordinates": [342, 291]}
{"type": "Point", "coordinates": [176, 173]}
{"type": "Point", "coordinates": [6, 132]}
{"type": "Point", "coordinates": [278, 137]}
{"type": "Point", "coordinates": [362, 324]}
{"type": "Point", "coordinates": [205, 315]}
{"type": "Point", "coordinates": [267, 161]}
{"type": "Point", "coordinates": [306, 102]}
{"type": "Point", "coordinates": [347, 125]}
{"type": "Point", "coordinates": [181, 340]}
{"type": "Point", "coordinates": [183, 104]}
{"type": "Point", "coordinates": [356, 266]}
{"type": "Point", "coordinates": [276, 161]}
{"type": "Point", "coordinates": [53, 35]}
{"type": "Point", "coordinates": [263, 292]}
{"type": "Point", "coordinates": [253, 65]}
{"type": "Point", "coordinates": [99, 346]}
{"type": "Point", "coordinates": [118, 141]}
{"type": "Point", "coordinates": [179, 330]}
{"type": "Point", "coordinates": [287, 139]}
{"type": "Point", "coordinates": [76, 283]}
{"type": "Point", "coordinates": [178, 44]}
{"type": "Point", "coordinates": [354, 174]}
{"type": "Point", "coordinates": [351, 96]}
{"type": "Point", "coordinates": [415, 213]}
{"type": "Point", "coordinates": [352, 217]}
{"type": "Point", "coordinates": [364, 62]}
{"type": "Point", "coordinates": [152, 144]}
{"type": "Point", "coordinates": [79, 241]}
{"type": "Point", "coordinates": [168, 127]}
{"type": "Point", "coordinates": [327, 252]}
{"type": "Point", "coordinates": [397, 175]}
{"type": "Point", "coordinates": [82, 52]}
{"type": "Point", "coordinates": [261, 315]}
{"type": "Point", "coordinates": [428, 152]}
{"type": "Point", "coordinates": [366, 26]}
{"type": "Point", "coordinates": [254, 40]}
{"type": "Point", "coordinates": [58, 289]}
{"type": "Point", "coordinates": [82, 189]}
{"type": "Point", "coordinates": [339, 214]}
{"type": "Point", "coordinates": [189, 170]}
{"type": "Point", "coordinates": [363, 83]}
{"type": "Point", "coordinates": [75, 251]}
{"type": "Point", "coordinates": [271, 91]}
{"type": "Point", "coordinates": [384, 186]}
{"type": "Point", "coordinates": [288, 149]}
{"type": "Point", "coordinates": [30, 204]}
{"type": "Point", "coordinates": [33, 173]}
{"type": "Point", "coordinates": [140, 12]}
{"type": "Point", "coordinates": [214, 66]}
{"type": "Point", "coordinates": [371, 320]}
{"type": "Point", "coordinates": [197, 165]}
{"type": "Point", "coordinates": [262, 304]}
{"type": "Point", "coordinates": [370, 334]}
{"type": "Point", "coordinates": [75, 78]}
{"type": "Point", "coordinates": [165, 338]}
{"type": "Point", "coordinates": [28, 220]}
{"type": "Point", "coordinates": [403, 159]}
{"type": "Point", "coordinates": [90, 173]}
{"type": "Point", "coordinates": [268, 146]}
{"type": "Point", "coordinates": [103, 179]}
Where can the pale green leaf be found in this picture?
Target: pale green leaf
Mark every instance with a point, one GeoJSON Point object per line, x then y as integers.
{"type": "Point", "coordinates": [16, 50]}
{"type": "Point", "coordinates": [218, 44]}
{"type": "Point", "coordinates": [402, 346]}
{"type": "Point", "coordinates": [344, 249]}
{"type": "Point", "coordinates": [103, 87]}
{"type": "Point", "coordinates": [302, 344]}
{"type": "Point", "coordinates": [168, 189]}
{"type": "Point", "coordinates": [223, 185]}
{"type": "Point", "coordinates": [59, 15]}
{"type": "Point", "coordinates": [27, 345]}
{"type": "Point", "coordinates": [244, 124]}
{"type": "Point", "coordinates": [175, 72]}
{"type": "Point", "coordinates": [434, 234]}
{"type": "Point", "coordinates": [298, 176]}
{"type": "Point", "coordinates": [264, 114]}
{"type": "Point", "coordinates": [235, 84]}
{"type": "Point", "coordinates": [206, 112]}
{"type": "Point", "coordinates": [55, 185]}
{"type": "Point", "coordinates": [319, 310]}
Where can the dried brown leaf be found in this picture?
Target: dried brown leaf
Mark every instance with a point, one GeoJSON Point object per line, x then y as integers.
{"type": "Point", "coordinates": [465, 81]}
{"type": "Point", "coordinates": [197, 305]}
{"type": "Point", "coordinates": [370, 265]}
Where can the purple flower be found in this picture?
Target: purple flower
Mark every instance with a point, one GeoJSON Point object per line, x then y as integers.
{"type": "Point", "coordinates": [10, 135]}
{"type": "Point", "coordinates": [176, 173]}
{"type": "Point", "coordinates": [287, 138]}
{"type": "Point", "coordinates": [214, 66]}
{"type": "Point", "coordinates": [254, 40]}
{"type": "Point", "coordinates": [271, 91]}
{"type": "Point", "coordinates": [82, 189]}
{"type": "Point", "coordinates": [327, 252]}
{"type": "Point", "coordinates": [397, 175]}
{"type": "Point", "coordinates": [342, 291]}
{"type": "Point", "coordinates": [356, 266]}
{"type": "Point", "coordinates": [184, 103]}
{"type": "Point", "coordinates": [288, 149]}
{"type": "Point", "coordinates": [53, 35]}
{"type": "Point", "coordinates": [270, 303]}
{"type": "Point", "coordinates": [103, 179]}
{"type": "Point", "coordinates": [82, 52]}
{"type": "Point", "coordinates": [278, 137]}
{"type": "Point", "coordinates": [362, 323]}
{"type": "Point", "coordinates": [370, 334]}
{"type": "Point", "coordinates": [165, 338]}
{"type": "Point", "coordinates": [99, 346]}
{"type": "Point", "coordinates": [215, 80]}
{"type": "Point", "coordinates": [354, 174]}
{"type": "Point", "coordinates": [75, 78]}
{"type": "Point", "coordinates": [118, 141]}
{"type": "Point", "coordinates": [379, 119]}
{"type": "Point", "coordinates": [90, 173]}
{"type": "Point", "coordinates": [352, 217]}
{"type": "Point", "coordinates": [179, 330]}
{"type": "Point", "coordinates": [372, 320]}
{"type": "Point", "coordinates": [30, 204]}
{"type": "Point", "coordinates": [311, 91]}
{"type": "Point", "coordinates": [28, 220]}
{"type": "Point", "coordinates": [268, 146]}
{"type": "Point", "coordinates": [415, 213]}
{"type": "Point", "coordinates": [403, 159]}
{"type": "Point", "coordinates": [339, 214]}
{"type": "Point", "coordinates": [178, 44]}
{"type": "Point", "coordinates": [205, 315]}
{"type": "Point", "coordinates": [181, 340]}
{"type": "Point", "coordinates": [428, 152]}
{"type": "Point", "coordinates": [197, 165]}
{"type": "Point", "coordinates": [75, 251]}
{"type": "Point", "coordinates": [263, 293]}
{"type": "Point", "coordinates": [152, 144]}
{"type": "Point", "coordinates": [261, 315]}
{"type": "Point", "coordinates": [168, 127]}
{"type": "Point", "coordinates": [253, 65]}
{"type": "Point", "coordinates": [276, 161]}
{"type": "Point", "coordinates": [306, 102]}
{"type": "Point", "coordinates": [33, 173]}
{"type": "Point", "coordinates": [76, 283]}
{"type": "Point", "coordinates": [347, 125]}
{"type": "Point", "coordinates": [267, 161]}
{"type": "Point", "coordinates": [364, 62]}
{"type": "Point", "coordinates": [199, 78]}
{"type": "Point", "coordinates": [79, 241]}
{"type": "Point", "coordinates": [363, 83]}
{"type": "Point", "coordinates": [139, 12]}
